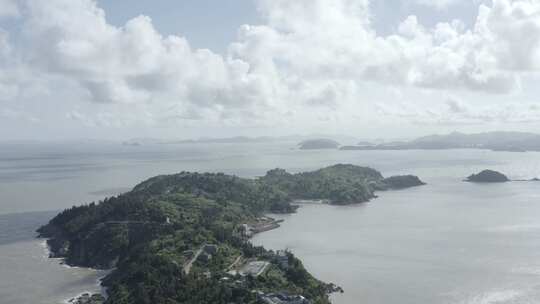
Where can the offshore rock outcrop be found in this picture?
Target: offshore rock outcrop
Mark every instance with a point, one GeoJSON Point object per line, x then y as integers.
{"type": "Point", "coordinates": [488, 176]}
{"type": "Point", "coordinates": [401, 182]}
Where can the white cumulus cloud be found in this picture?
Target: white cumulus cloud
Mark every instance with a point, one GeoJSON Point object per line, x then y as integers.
{"type": "Point", "coordinates": [306, 54]}
{"type": "Point", "coordinates": [438, 4]}
{"type": "Point", "coordinates": [9, 8]}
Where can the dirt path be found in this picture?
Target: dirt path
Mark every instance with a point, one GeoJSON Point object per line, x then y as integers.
{"type": "Point", "coordinates": [187, 267]}
{"type": "Point", "coordinates": [238, 259]}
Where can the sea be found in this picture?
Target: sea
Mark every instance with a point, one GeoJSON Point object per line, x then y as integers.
{"type": "Point", "coordinates": [449, 242]}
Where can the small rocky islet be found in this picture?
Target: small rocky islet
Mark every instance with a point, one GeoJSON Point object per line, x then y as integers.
{"type": "Point", "coordinates": [491, 176]}
{"type": "Point", "coordinates": [488, 176]}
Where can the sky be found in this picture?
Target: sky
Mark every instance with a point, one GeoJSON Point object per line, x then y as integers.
{"type": "Point", "coordinates": [108, 69]}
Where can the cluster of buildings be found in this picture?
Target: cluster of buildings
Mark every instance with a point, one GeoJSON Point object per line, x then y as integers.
{"type": "Point", "coordinates": [261, 224]}
{"type": "Point", "coordinates": [255, 268]}
{"type": "Point", "coordinates": [281, 298]}
{"type": "Point", "coordinates": [252, 268]}
{"type": "Point", "coordinates": [207, 252]}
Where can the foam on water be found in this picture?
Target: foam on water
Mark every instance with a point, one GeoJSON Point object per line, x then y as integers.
{"type": "Point", "coordinates": [509, 296]}
{"type": "Point", "coordinates": [45, 250]}
{"type": "Point", "coordinates": [517, 228]}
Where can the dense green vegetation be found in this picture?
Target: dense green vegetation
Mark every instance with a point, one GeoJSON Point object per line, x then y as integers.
{"type": "Point", "coordinates": [151, 233]}
{"type": "Point", "coordinates": [341, 184]}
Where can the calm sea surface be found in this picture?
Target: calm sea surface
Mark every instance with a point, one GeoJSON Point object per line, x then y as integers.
{"type": "Point", "coordinates": [447, 242]}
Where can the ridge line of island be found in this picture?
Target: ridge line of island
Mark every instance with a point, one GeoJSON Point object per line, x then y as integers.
{"type": "Point", "coordinates": [185, 238]}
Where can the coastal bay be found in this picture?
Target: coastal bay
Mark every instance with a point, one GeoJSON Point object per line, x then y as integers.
{"type": "Point", "coordinates": [469, 244]}
{"type": "Point", "coordinates": [28, 274]}
{"type": "Point", "coordinates": [511, 216]}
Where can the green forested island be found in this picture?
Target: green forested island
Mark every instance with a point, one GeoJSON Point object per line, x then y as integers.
{"type": "Point", "coordinates": [184, 238]}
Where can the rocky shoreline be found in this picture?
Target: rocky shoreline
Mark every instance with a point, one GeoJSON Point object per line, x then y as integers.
{"type": "Point", "coordinates": [55, 250]}
{"type": "Point", "coordinates": [87, 298]}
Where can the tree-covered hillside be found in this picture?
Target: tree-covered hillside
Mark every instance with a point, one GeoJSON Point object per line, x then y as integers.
{"type": "Point", "coordinates": [156, 236]}
{"type": "Point", "coordinates": [341, 184]}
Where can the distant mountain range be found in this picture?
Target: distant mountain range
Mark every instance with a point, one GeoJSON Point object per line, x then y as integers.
{"type": "Point", "coordinates": [496, 141]}
{"type": "Point", "coordinates": [235, 140]}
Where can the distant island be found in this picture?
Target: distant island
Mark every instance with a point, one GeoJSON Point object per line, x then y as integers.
{"type": "Point", "coordinates": [488, 176]}
{"type": "Point", "coordinates": [132, 143]}
{"type": "Point", "coordinates": [495, 141]}
{"type": "Point", "coordinates": [402, 182]}
{"type": "Point", "coordinates": [231, 140]}
{"type": "Point", "coordinates": [234, 140]}
{"type": "Point", "coordinates": [184, 238]}
{"type": "Point", "coordinates": [319, 144]}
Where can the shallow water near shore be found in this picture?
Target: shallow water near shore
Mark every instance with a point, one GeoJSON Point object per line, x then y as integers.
{"type": "Point", "coordinates": [27, 273]}
{"type": "Point", "coordinates": [448, 242]}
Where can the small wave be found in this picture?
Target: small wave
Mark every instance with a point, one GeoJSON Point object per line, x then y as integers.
{"type": "Point", "coordinates": [99, 289]}
{"type": "Point", "coordinates": [69, 301]}
{"type": "Point", "coordinates": [67, 266]}
{"type": "Point", "coordinates": [527, 270]}
{"type": "Point", "coordinates": [45, 250]}
{"type": "Point", "coordinates": [496, 297]}
{"type": "Point", "coordinates": [515, 228]}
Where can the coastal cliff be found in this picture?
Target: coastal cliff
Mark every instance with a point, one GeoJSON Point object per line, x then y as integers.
{"type": "Point", "coordinates": [180, 238]}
